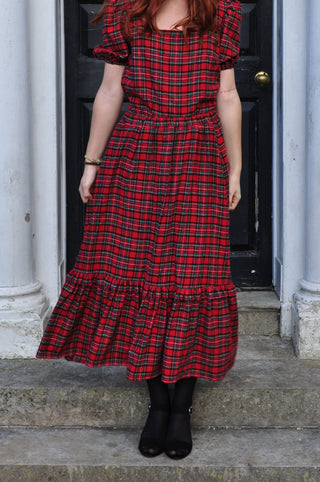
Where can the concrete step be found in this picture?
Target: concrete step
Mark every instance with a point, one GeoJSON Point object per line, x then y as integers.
{"type": "Point", "coordinates": [267, 387]}
{"type": "Point", "coordinates": [82, 455]}
{"type": "Point", "coordinates": [259, 312]}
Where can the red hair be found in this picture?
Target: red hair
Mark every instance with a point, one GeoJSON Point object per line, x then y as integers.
{"type": "Point", "coordinates": [201, 18]}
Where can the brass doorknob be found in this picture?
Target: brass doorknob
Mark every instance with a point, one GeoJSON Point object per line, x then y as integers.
{"type": "Point", "coordinates": [262, 79]}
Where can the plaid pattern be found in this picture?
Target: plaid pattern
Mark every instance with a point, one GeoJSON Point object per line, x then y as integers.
{"type": "Point", "coordinates": [151, 288]}
{"type": "Point", "coordinates": [229, 21]}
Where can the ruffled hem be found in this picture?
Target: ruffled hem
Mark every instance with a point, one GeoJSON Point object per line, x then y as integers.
{"type": "Point", "coordinates": [228, 64]}
{"type": "Point", "coordinates": [152, 330]}
{"type": "Point", "coordinates": [136, 377]}
{"type": "Point", "coordinates": [110, 283]}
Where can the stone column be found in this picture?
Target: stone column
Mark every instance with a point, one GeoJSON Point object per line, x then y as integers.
{"type": "Point", "coordinates": [22, 304]}
{"type": "Point", "coordinates": [306, 305]}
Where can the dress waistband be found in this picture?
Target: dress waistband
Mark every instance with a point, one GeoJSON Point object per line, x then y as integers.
{"type": "Point", "coordinates": [144, 112]}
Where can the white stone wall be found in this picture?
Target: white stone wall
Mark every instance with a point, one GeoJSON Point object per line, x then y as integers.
{"type": "Point", "coordinates": [31, 198]}
{"type": "Point", "coordinates": [47, 142]}
{"type": "Point", "coordinates": [290, 64]}
{"type": "Point", "coordinates": [296, 172]}
{"type": "Point", "coordinates": [306, 303]}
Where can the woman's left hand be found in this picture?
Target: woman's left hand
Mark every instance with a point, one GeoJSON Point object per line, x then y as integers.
{"type": "Point", "coordinates": [87, 181]}
{"type": "Point", "coordinates": [234, 190]}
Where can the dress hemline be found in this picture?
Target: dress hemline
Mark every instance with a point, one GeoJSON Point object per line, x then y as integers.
{"type": "Point", "coordinates": [140, 378]}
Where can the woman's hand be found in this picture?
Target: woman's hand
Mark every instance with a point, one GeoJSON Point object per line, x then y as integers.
{"type": "Point", "coordinates": [87, 180]}
{"type": "Point", "coordinates": [234, 190]}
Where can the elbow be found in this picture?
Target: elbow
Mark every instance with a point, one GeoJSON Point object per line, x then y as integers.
{"type": "Point", "coordinates": [228, 101]}
{"type": "Point", "coordinates": [111, 92]}
{"type": "Point", "coordinates": [228, 97]}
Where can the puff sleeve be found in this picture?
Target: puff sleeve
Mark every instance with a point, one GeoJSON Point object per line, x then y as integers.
{"type": "Point", "coordinates": [114, 49]}
{"type": "Point", "coordinates": [231, 16]}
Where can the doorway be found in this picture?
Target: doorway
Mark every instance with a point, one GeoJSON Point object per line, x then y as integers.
{"type": "Point", "coordinates": [251, 222]}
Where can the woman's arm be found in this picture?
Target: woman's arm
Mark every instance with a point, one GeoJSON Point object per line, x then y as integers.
{"type": "Point", "coordinates": [106, 110]}
{"type": "Point", "coordinates": [230, 114]}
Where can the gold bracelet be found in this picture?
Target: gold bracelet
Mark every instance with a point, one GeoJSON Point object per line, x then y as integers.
{"type": "Point", "coordinates": [93, 161]}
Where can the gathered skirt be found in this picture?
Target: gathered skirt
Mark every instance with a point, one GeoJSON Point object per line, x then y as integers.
{"type": "Point", "coordinates": [151, 288]}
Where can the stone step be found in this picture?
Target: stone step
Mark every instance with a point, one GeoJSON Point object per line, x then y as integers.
{"type": "Point", "coordinates": [259, 312]}
{"type": "Point", "coordinates": [267, 387]}
{"type": "Point", "coordinates": [251, 455]}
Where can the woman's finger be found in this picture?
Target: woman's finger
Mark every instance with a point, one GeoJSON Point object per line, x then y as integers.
{"type": "Point", "coordinates": [234, 199]}
{"type": "Point", "coordinates": [85, 193]}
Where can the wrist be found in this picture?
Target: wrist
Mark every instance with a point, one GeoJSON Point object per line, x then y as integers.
{"type": "Point", "coordinates": [235, 171]}
{"type": "Point", "coordinates": [91, 167]}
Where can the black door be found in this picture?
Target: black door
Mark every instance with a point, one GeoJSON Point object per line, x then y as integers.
{"type": "Point", "coordinates": [250, 231]}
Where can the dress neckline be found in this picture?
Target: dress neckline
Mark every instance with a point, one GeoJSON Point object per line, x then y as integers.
{"type": "Point", "coordinates": [170, 30]}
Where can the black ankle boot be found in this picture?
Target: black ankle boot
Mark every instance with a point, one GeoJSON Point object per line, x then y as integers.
{"type": "Point", "coordinates": [178, 442]}
{"type": "Point", "coordinates": [154, 433]}
{"type": "Point", "coordinates": [152, 439]}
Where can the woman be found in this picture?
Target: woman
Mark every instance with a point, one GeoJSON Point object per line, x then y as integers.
{"type": "Point", "coordinates": [151, 288]}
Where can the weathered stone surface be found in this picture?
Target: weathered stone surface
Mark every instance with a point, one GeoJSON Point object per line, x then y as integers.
{"type": "Point", "coordinates": [257, 322]}
{"type": "Point", "coordinates": [112, 455]}
{"type": "Point", "coordinates": [259, 312]}
{"type": "Point", "coordinates": [268, 387]}
{"type": "Point", "coordinates": [161, 474]}
{"type": "Point", "coordinates": [306, 331]}
{"type": "Point", "coordinates": [257, 300]}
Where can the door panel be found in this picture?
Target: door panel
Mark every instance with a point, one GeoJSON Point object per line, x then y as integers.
{"type": "Point", "coordinates": [250, 223]}
{"type": "Point", "coordinates": [251, 259]}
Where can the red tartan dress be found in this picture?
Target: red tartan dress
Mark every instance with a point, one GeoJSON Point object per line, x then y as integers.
{"type": "Point", "coordinates": [151, 288]}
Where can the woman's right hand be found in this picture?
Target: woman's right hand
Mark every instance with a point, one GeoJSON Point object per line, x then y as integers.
{"type": "Point", "coordinates": [87, 180]}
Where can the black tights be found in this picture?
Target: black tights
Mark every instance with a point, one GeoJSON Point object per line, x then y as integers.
{"type": "Point", "coordinates": [168, 425]}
